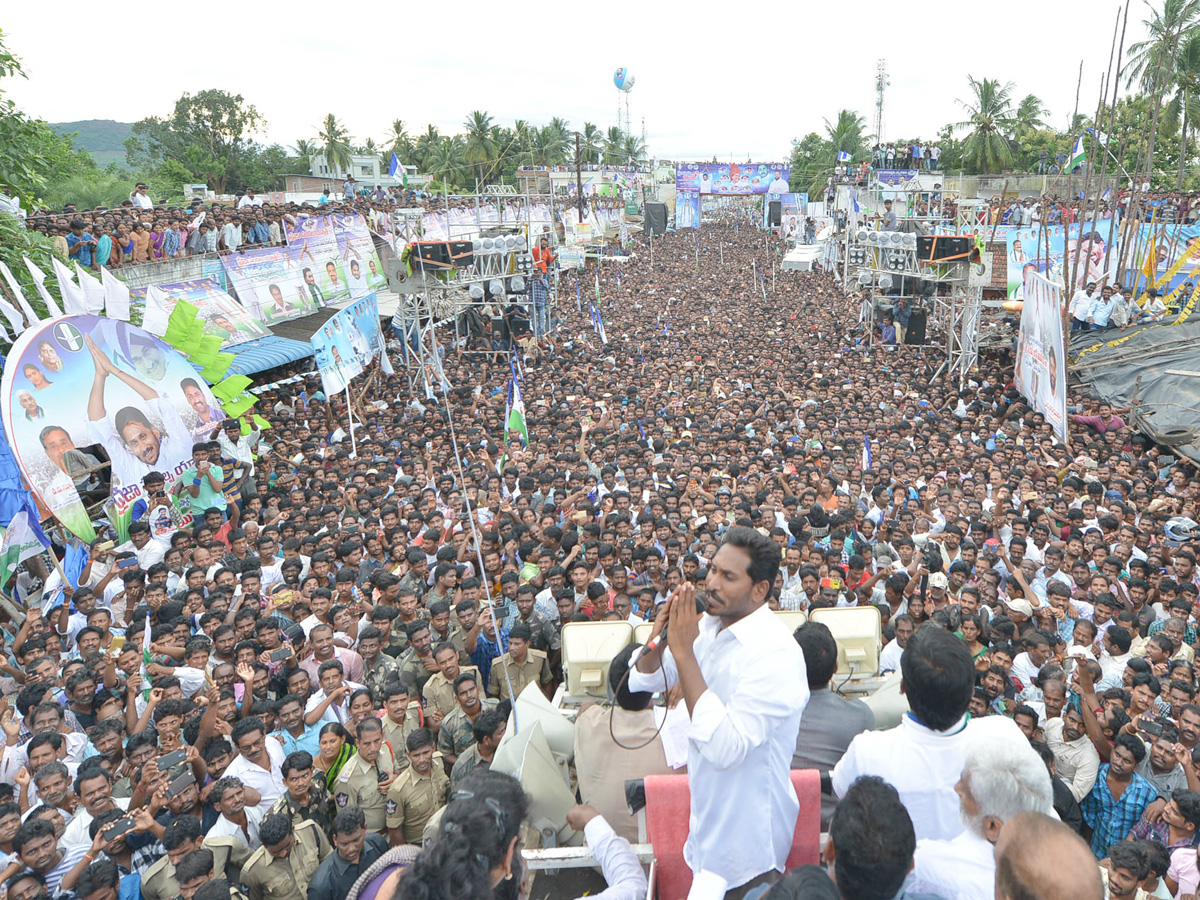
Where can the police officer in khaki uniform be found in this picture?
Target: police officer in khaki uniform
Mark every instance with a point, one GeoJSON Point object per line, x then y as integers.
{"type": "Point", "coordinates": [418, 793]}
{"type": "Point", "coordinates": [366, 777]}
{"type": "Point", "coordinates": [285, 863]}
{"type": "Point", "coordinates": [520, 666]}
{"type": "Point", "coordinates": [402, 719]}
{"type": "Point", "coordinates": [415, 664]}
{"type": "Point", "coordinates": [180, 838]}
{"type": "Point", "coordinates": [439, 689]}
{"type": "Point", "coordinates": [456, 735]}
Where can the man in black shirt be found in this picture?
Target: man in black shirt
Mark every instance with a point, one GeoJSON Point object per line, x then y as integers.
{"type": "Point", "coordinates": [354, 850]}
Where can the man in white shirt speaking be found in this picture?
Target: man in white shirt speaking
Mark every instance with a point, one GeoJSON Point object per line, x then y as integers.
{"type": "Point", "coordinates": [744, 683]}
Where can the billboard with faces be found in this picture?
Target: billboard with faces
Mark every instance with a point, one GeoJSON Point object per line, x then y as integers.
{"type": "Point", "coordinates": [80, 391]}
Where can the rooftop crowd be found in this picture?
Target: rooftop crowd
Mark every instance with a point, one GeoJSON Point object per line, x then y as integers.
{"type": "Point", "coordinates": [336, 641]}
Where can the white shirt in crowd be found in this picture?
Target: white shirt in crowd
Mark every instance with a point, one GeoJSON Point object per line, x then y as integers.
{"type": "Point", "coordinates": [924, 766]}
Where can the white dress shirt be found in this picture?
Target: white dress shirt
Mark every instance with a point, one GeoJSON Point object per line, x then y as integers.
{"type": "Point", "coordinates": [740, 745]}
{"type": "Point", "coordinates": [622, 871]}
{"type": "Point", "coordinates": [223, 827]}
{"type": "Point", "coordinates": [77, 831]}
{"type": "Point", "coordinates": [923, 765]}
{"type": "Point", "coordinates": [963, 868]}
{"type": "Point", "coordinates": [268, 784]}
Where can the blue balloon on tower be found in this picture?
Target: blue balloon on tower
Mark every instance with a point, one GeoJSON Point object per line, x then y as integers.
{"type": "Point", "coordinates": [622, 79]}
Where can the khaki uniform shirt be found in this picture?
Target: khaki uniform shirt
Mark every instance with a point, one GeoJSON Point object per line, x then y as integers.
{"type": "Point", "coordinates": [535, 670]}
{"type": "Point", "coordinates": [229, 855]}
{"type": "Point", "coordinates": [439, 692]}
{"type": "Point", "coordinates": [358, 785]}
{"type": "Point", "coordinates": [414, 799]}
{"type": "Point", "coordinates": [268, 878]}
{"type": "Point", "coordinates": [457, 733]}
{"type": "Point", "coordinates": [397, 735]}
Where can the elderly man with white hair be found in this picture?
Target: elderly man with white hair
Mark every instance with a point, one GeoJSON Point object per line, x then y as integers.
{"type": "Point", "coordinates": [999, 779]}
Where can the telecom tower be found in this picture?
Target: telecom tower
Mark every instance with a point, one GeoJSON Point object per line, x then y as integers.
{"type": "Point", "coordinates": [881, 83]}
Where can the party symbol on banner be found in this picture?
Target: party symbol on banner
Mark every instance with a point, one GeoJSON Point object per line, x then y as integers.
{"type": "Point", "coordinates": [68, 336]}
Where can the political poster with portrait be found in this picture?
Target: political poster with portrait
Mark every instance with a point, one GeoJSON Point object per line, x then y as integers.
{"type": "Point", "coordinates": [732, 178]}
{"type": "Point", "coordinates": [1051, 251]}
{"type": "Point", "coordinates": [221, 314]}
{"type": "Point", "coordinates": [345, 345]}
{"type": "Point", "coordinates": [316, 233]}
{"type": "Point", "coordinates": [364, 272]}
{"type": "Point", "coordinates": [91, 406]}
{"type": "Point", "coordinates": [1041, 366]}
{"type": "Point", "coordinates": [687, 211]}
{"type": "Point", "coordinates": [275, 284]}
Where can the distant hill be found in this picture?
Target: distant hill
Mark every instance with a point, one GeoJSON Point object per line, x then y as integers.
{"type": "Point", "coordinates": [104, 139]}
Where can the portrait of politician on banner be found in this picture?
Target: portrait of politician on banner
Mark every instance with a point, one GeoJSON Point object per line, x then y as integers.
{"type": "Point", "coordinates": [346, 344]}
{"type": "Point", "coordinates": [83, 390]}
{"type": "Point", "coordinates": [1041, 367]}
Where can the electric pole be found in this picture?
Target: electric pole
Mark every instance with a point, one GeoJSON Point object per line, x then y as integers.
{"type": "Point", "coordinates": [578, 177]}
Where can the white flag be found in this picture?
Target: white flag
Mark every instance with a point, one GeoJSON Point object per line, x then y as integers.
{"type": "Point", "coordinates": [15, 286]}
{"type": "Point", "coordinates": [154, 320]}
{"type": "Point", "coordinates": [72, 294]}
{"type": "Point", "coordinates": [39, 281]}
{"type": "Point", "coordinates": [93, 290]}
{"type": "Point", "coordinates": [116, 296]}
{"type": "Point", "coordinates": [23, 538]}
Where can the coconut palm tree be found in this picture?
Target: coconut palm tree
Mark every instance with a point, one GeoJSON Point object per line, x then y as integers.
{"type": "Point", "coordinates": [1152, 61]}
{"type": "Point", "coordinates": [333, 141]}
{"type": "Point", "coordinates": [614, 142]}
{"type": "Point", "coordinates": [990, 117]}
{"type": "Point", "coordinates": [1183, 110]}
{"type": "Point", "coordinates": [425, 145]}
{"type": "Point", "coordinates": [399, 142]}
{"type": "Point", "coordinates": [447, 161]}
{"type": "Point", "coordinates": [480, 146]}
{"type": "Point", "coordinates": [846, 133]}
{"type": "Point", "coordinates": [590, 141]}
{"type": "Point", "coordinates": [558, 133]}
{"type": "Point", "coordinates": [305, 150]}
{"type": "Point", "coordinates": [633, 151]}
{"type": "Point", "coordinates": [1030, 111]}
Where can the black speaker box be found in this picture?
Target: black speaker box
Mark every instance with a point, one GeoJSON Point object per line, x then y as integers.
{"type": "Point", "coordinates": [774, 213]}
{"type": "Point", "coordinates": [915, 333]}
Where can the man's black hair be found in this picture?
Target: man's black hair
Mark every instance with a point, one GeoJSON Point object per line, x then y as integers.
{"type": "Point", "coordinates": [820, 653]}
{"type": "Point", "coordinates": [939, 676]}
{"type": "Point", "coordinates": [873, 839]}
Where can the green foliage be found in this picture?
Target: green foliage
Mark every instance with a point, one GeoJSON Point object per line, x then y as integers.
{"type": "Point", "coordinates": [89, 189]}
{"type": "Point", "coordinates": [17, 241]}
{"type": "Point", "coordinates": [990, 118]}
{"type": "Point", "coordinates": [209, 133]}
{"type": "Point", "coordinates": [808, 165]}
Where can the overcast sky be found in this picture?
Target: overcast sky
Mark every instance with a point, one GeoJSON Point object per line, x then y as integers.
{"type": "Point", "coordinates": [711, 80]}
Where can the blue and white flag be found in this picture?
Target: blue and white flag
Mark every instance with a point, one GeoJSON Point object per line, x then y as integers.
{"type": "Point", "coordinates": [866, 454]}
{"type": "Point", "coordinates": [1107, 193]}
{"type": "Point", "coordinates": [598, 324]}
{"type": "Point", "coordinates": [843, 156]}
{"type": "Point", "coordinates": [22, 539]}
{"type": "Point", "coordinates": [393, 166]}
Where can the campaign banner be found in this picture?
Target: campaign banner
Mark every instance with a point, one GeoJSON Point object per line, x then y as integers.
{"type": "Point", "coordinates": [731, 178]}
{"type": "Point", "coordinates": [1041, 369]}
{"type": "Point", "coordinates": [364, 271]}
{"type": "Point", "coordinates": [275, 284]}
{"type": "Point", "coordinates": [894, 177]}
{"type": "Point", "coordinates": [316, 233]}
{"type": "Point", "coordinates": [345, 345]}
{"type": "Point", "coordinates": [221, 314]}
{"type": "Point", "coordinates": [687, 211]}
{"type": "Point", "coordinates": [80, 391]}
{"type": "Point", "coordinates": [1051, 252]}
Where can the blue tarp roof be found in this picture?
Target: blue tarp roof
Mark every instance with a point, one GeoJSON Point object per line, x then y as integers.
{"type": "Point", "coordinates": [266, 353]}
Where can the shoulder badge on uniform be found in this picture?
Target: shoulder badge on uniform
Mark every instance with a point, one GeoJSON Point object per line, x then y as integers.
{"type": "Point", "coordinates": [391, 807]}
{"type": "Point", "coordinates": [342, 799]}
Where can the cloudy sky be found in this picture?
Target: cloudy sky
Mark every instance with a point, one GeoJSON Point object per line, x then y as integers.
{"type": "Point", "coordinates": [710, 80]}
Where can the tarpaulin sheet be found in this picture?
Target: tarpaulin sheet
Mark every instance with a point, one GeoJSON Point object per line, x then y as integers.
{"type": "Point", "coordinates": [1160, 364]}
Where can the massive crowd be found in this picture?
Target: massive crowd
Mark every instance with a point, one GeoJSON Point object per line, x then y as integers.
{"type": "Point", "coordinates": [334, 653]}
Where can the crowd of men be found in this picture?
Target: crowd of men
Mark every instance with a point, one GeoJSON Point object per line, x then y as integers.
{"type": "Point", "coordinates": [338, 646]}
